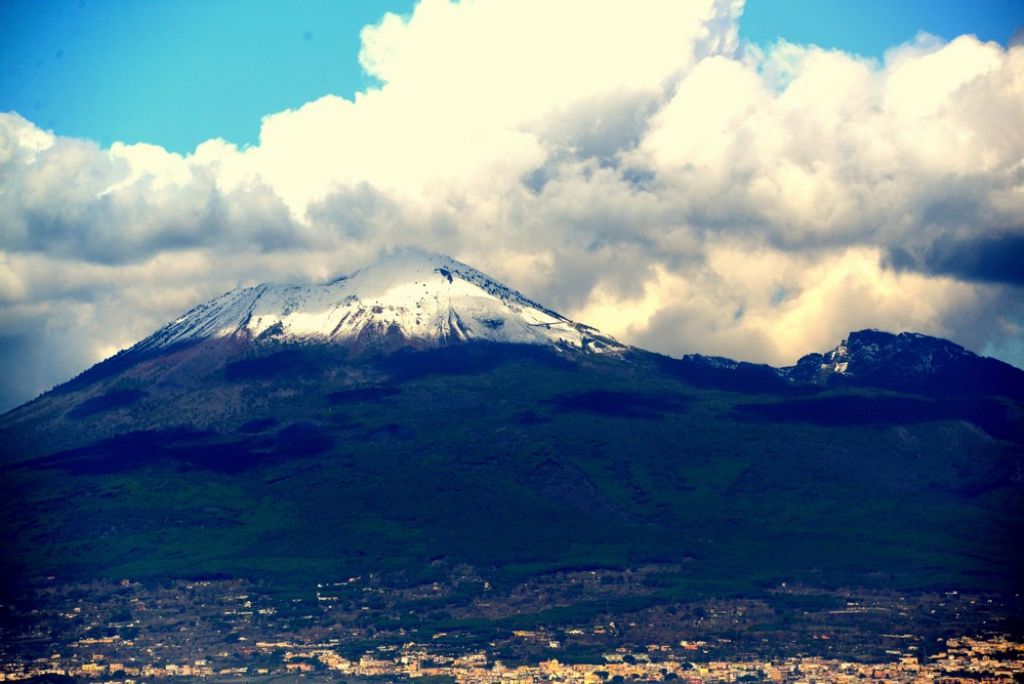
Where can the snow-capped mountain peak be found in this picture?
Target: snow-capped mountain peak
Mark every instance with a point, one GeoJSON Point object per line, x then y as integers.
{"type": "Point", "coordinates": [409, 298]}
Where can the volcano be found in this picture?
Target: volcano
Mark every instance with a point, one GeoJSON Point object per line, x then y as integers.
{"type": "Point", "coordinates": [408, 299]}
{"type": "Point", "coordinates": [419, 410]}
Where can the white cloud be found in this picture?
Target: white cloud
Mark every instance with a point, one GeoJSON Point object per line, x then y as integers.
{"type": "Point", "coordinates": [630, 164]}
{"type": "Point", "coordinates": [848, 150]}
{"type": "Point", "coordinates": [770, 306]}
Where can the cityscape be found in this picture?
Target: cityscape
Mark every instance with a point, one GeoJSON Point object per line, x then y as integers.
{"type": "Point", "coordinates": [231, 630]}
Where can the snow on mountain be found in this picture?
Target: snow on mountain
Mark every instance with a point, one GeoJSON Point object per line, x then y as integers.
{"type": "Point", "coordinates": [908, 362]}
{"type": "Point", "coordinates": [901, 362]}
{"type": "Point", "coordinates": [408, 298]}
{"type": "Point", "coordinates": [871, 352]}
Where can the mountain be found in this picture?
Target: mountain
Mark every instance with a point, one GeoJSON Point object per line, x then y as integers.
{"type": "Point", "coordinates": [909, 362]}
{"type": "Point", "coordinates": [338, 333]}
{"type": "Point", "coordinates": [409, 299]}
{"type": "Point", "coordinates": [904, 362]}
{"type": "Point", "coordinates": [418, 413]}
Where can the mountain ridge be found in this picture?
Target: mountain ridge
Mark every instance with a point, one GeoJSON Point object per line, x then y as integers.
{"type": "Point", "coordinates": [908, 361]}
{"type": "Point", "coordinates": [412, 299]}
{"type": "Point", "coordinates": [904, 361]}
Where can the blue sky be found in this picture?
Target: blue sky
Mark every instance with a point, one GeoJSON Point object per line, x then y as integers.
{"type": "Point", "coordinates": [178, 73]}
{"type": "Point", "coordinates": [869, 27]}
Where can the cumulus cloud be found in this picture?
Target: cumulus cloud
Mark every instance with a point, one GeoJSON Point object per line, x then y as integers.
{"type": "Point", "coordinates": [635, 167]}
{"type": "Point", "coordinates": [69, 198]}
{"type": "Point", "coordinates": [767, 304]}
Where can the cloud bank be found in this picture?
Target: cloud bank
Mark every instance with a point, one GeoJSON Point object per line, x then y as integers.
{"type": "Point", "coordinates": [637, 168]}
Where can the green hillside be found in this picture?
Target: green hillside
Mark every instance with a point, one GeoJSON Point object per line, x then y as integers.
{"type": "Point", "coordinates": [302, 464]}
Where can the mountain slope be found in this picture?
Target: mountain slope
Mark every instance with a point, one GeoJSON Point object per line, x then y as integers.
{"type": "Point", "coordinates": [200, 368]}
{"type": "Point", "coordinates": [322, 451]}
